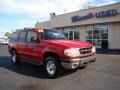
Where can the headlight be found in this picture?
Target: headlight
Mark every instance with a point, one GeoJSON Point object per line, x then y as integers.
{"type": "Point", "coordinates": [93, 49]}
{"type": "Point", "coordinates": [72, 52]}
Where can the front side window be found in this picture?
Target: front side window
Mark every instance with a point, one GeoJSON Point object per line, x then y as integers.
{"type": "Point", "coordinates": [49, 34]}
{"type": "Point", "coordinates": [31, 34]}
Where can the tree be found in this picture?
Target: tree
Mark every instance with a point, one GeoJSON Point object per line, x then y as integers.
{"type": "Point", "coordinates": [7, 34]}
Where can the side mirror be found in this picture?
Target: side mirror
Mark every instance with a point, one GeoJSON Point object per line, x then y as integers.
{"type": "Point", "coordinates": [34, 39]}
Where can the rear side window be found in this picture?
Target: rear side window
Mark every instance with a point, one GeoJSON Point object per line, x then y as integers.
{"type": "Point", "coordinates": [13, 37]}
{"type": "Point", "coordinates": [22, 36]}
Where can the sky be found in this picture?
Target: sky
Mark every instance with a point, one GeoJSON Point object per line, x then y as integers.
{"type": "Point", "coordinates": [17, 14]}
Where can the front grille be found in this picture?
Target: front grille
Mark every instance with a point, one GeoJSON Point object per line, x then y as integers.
{"type": "Point", "coordinates": [84, 51]}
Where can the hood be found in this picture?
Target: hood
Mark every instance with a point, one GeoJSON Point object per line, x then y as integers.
{"type": "Point", "coordinates": [69, 43]}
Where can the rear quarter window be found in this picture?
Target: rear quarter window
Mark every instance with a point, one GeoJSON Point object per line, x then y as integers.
{"type": "Point", "coordinates": [13, 37]}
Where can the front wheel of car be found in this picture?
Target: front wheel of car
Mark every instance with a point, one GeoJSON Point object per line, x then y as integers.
{"type": "Point", "coordinates": [52, 67]}
{"type": "Point", "coordinates": [15, 58]}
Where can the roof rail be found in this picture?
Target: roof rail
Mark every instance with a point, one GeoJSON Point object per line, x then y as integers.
{"type": "Point", "coordinates": [19, 29]}
{"type": "Point", "coordinates": [27, 28]}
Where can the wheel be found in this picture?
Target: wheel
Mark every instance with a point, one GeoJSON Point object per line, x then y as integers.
{"type": "Point", "coordinates": [52, 67]}
{"type": "Point", "coordinates": [15, 58]}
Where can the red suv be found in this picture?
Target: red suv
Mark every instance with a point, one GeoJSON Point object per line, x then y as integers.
{"type": "Point", "coordinates": [49, 47]}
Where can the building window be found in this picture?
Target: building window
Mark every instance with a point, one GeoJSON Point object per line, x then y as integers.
{"type": "Point", "coordinates": [76, 33]}
{"type": "Point", "coordinates": [65, 31]}
{"type": "Point", "coordinates": [97, 35]}
{"type": "Point", "coordinates": [72, 33]}
{"type": "Point", "coordinates": [104, 32]}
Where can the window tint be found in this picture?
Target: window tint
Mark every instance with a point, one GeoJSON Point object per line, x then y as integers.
{"type": "Point", "coordinates": [13, 37]}
{"type": "Point", "coordinates": [22, 36]}
{"type": "Point", "coordinates": [30, 35]}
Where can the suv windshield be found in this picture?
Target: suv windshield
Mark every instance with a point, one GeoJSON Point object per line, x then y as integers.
{"type": "Point", "coordinates": [49, 34]}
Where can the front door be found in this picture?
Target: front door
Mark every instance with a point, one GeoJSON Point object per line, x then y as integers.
{"type": "Point", "coordinates": [33, 47]}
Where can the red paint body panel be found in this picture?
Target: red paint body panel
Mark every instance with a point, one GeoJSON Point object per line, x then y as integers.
{"type": "Point", "coordinates": [36, 51]}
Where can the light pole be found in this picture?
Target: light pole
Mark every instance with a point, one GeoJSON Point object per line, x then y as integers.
{"type": "Point", "coordinates": [1, 34]}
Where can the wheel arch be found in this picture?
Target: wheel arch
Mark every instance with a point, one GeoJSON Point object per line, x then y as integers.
{"type": "Point", "coordinates": [49, 53]}
{"type": "Point", "coordinates": [12, 50]}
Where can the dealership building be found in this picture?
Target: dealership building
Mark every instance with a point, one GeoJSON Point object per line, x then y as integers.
{"type": "Point", "coordinates": [98, 25]}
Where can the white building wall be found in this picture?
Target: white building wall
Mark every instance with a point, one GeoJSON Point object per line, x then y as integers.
{"type": "Point", "coordinates": [64, 20]}
{"type": "Point", "coordinates": [114, 35]}
{"type": "Point", "coordinates": [82, 33]}
{"type": "Point", "coordinates": [46, 24]}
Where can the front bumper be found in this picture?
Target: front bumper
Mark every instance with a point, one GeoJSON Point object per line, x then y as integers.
{"type": "Point", "coordinates": [74, 63]}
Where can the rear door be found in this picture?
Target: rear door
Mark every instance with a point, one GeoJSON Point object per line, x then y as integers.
{"type": "Point", "coordinates": [21, 45]}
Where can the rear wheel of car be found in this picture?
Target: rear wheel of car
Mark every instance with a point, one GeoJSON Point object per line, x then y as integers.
{"type": "Point", "coordinates": [52, 67]}
{"type": "Point", "coordinates": [15, 58]}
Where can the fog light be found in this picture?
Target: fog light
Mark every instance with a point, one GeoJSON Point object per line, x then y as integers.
{"type": "Point", "coordinates": [75, 65]}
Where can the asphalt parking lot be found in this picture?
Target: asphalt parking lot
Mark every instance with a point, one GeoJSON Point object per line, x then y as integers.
{"type": "Point", "coordinates": [104, 74]}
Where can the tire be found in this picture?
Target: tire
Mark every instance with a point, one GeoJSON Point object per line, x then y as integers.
{"type": "Point", "coordinates": [52, 67]}
{"type": "Point", "coordinates": [15, 58]}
